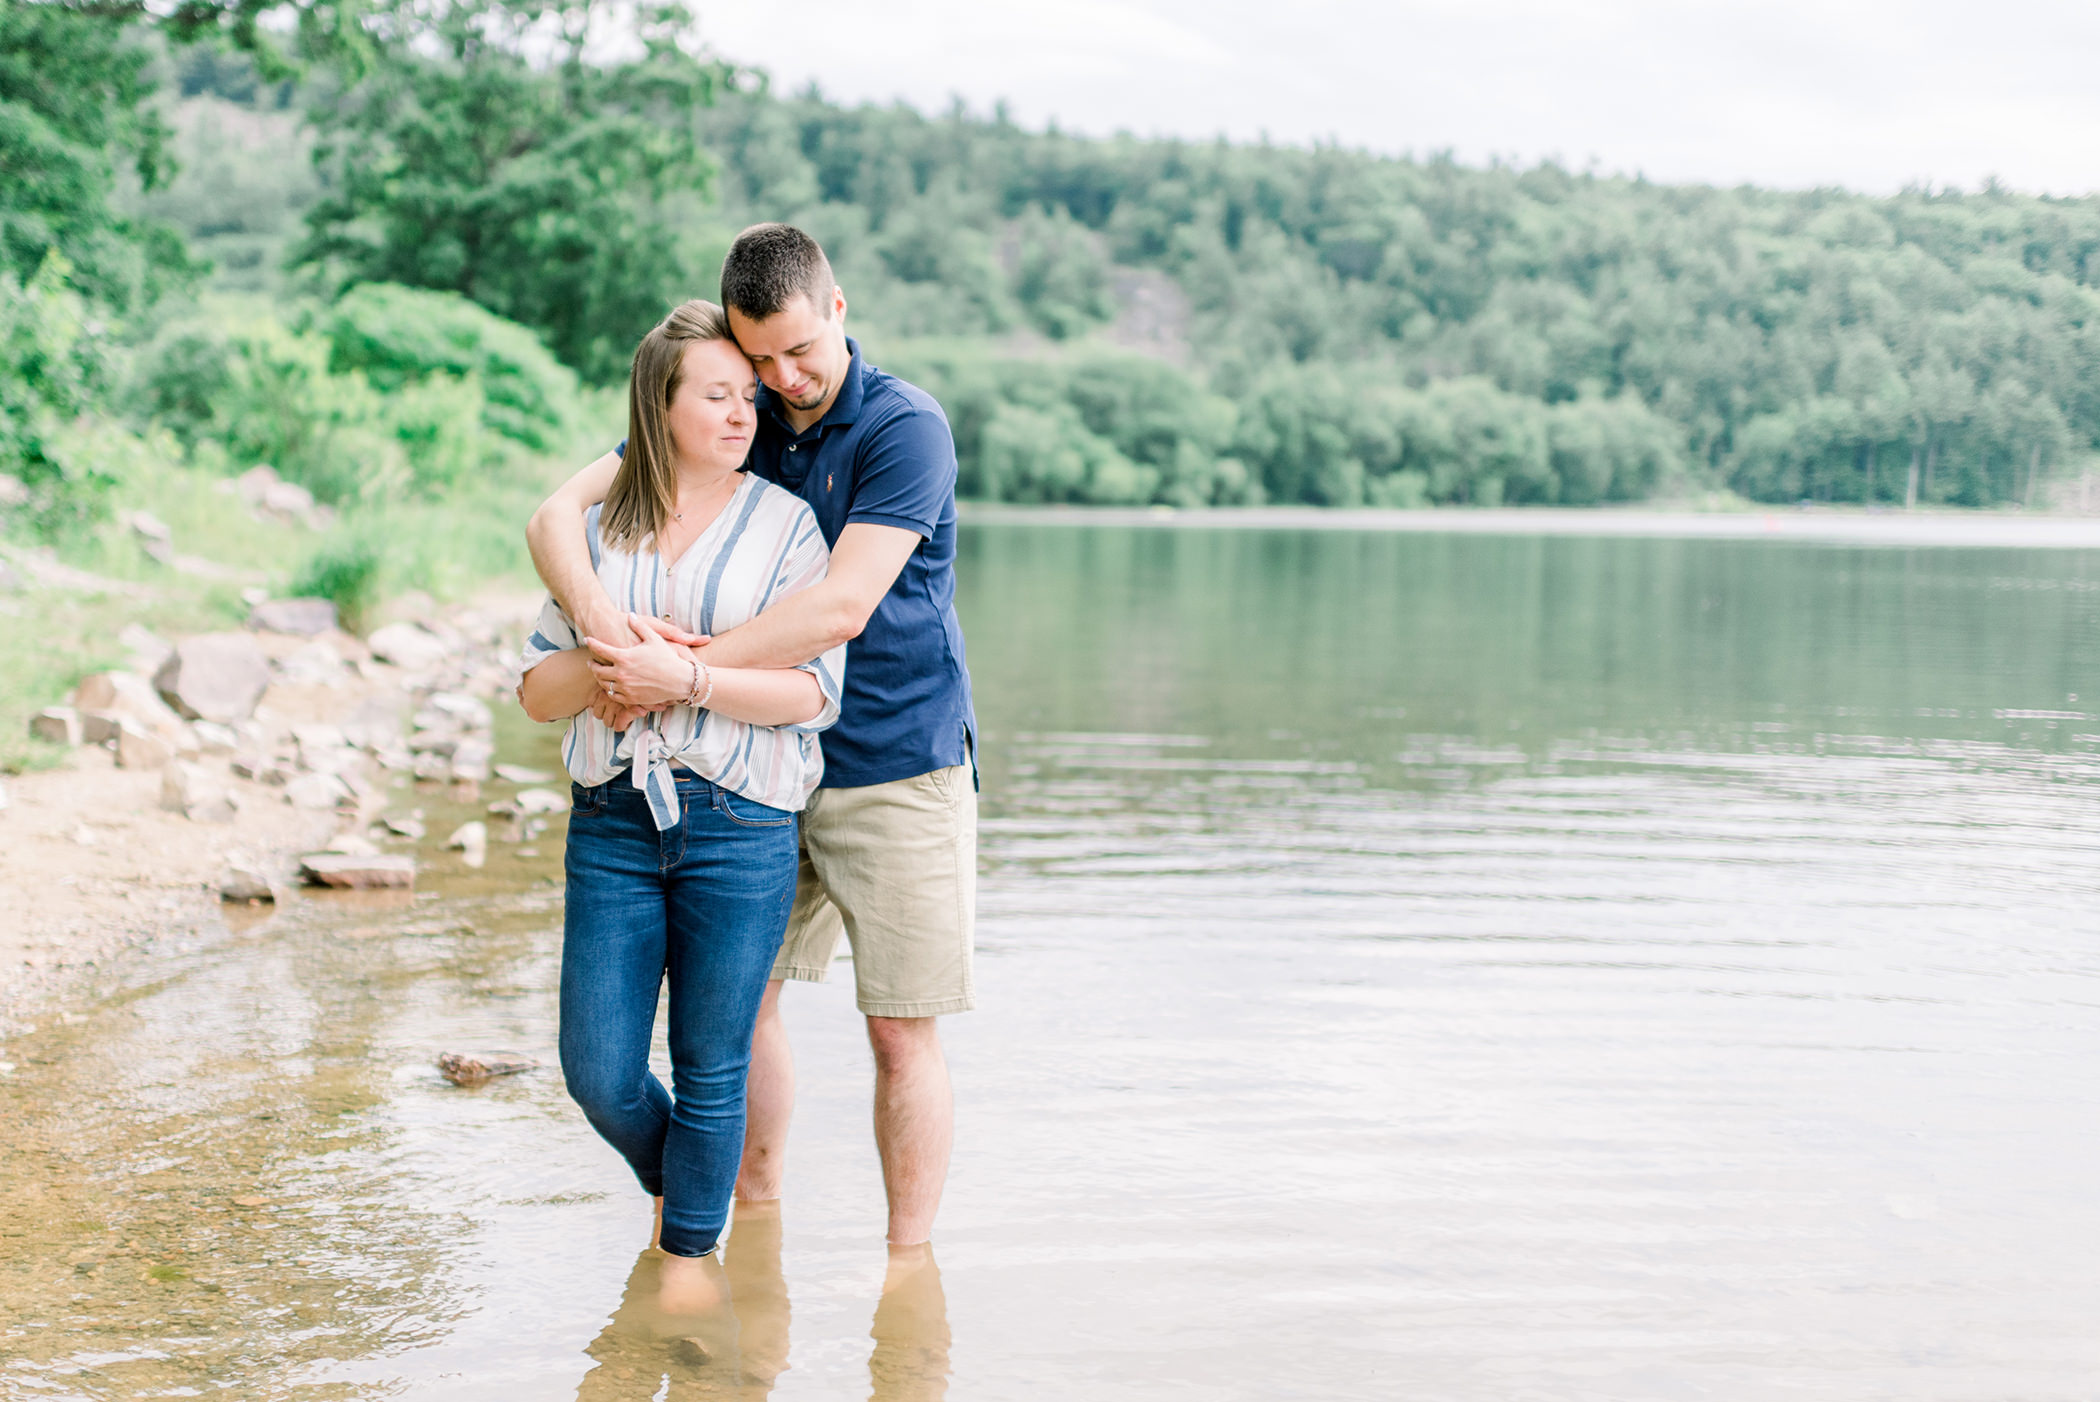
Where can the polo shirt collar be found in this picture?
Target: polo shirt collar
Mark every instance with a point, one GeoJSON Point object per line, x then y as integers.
{"type": "Point", "coordinates": [844, 409]}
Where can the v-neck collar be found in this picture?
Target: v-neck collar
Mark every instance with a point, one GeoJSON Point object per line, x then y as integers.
{"type": "Point", "coordinates": [728, 508]}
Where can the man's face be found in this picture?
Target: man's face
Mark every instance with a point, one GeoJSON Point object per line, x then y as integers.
{"type": "Point", "coordinates": [800, 351]}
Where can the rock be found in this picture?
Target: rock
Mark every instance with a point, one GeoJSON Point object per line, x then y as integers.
{"type": "Point", "coordinates": [473, 1068]}
{"type": "Point", "coordinates": [147, 648]}
{"type": "Point", "coordinates": [433, 742]}
{"type": "Point", "coordinates": [468, 712]}
{"type": "Point", "coordinates": [4, 799]}
{"type": "Point", "coordinates": [324, 750]}
{"type": "Point", "coordinates": [262, 768]}
{"type": "Point", "coordinates": [470, 760]}
{"type": "Point", "coordinates": [409, 646]}
{"type": "Point", "coordinates": [254, 482]}
{"type": "Point", "coordinates": [361, 873]}
{"type": "Point", "coordinates": [433, 766]}
{"type": "Point", "coordinates": [139, 748]}
{"type": "Point", "coordinates": [410, 827]}
{"type": "Point", "coordinates": [316, 664]}
{"type": "Point", "coordinates": [254, 594]}
{"type": "Point", "coordinates": [472, 839]}
{"type": "Point", "coordinates": [531, 801]}
{"type": "Point", "coordinates": [519, 774]}
{"type": "Point", "coordinates": [58, 724]}
{"type": "Point", "coordinates": [287, 500]}
{"type": "Point", "coordinates": [124, 696]}
{"type": "Point", "coordinates": [302, 617]}
{"type": "Point", "coordinates": [187, 789]}
{"type": "Point", "coordinates": [244, 880]}
{"type": "Point", "coordinates": [154, 536]}
{"type": "Point", "coordinates": [315, 791]}
{"type": "Point", "coordinates": [351, 844]}
{"type": "Point", "coordinates": [13, 491]}
{"type": "Point", "coordinates": [215, 739]}
{"type": "Point", "coordinates": [215, 676]}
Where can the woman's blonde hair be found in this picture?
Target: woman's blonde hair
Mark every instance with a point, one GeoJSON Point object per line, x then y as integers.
{"type": "Point", "coordinates": [645, 490]}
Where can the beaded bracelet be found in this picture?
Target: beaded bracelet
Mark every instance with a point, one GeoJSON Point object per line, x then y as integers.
{"type": "Point", "coordinates": [696, 697]}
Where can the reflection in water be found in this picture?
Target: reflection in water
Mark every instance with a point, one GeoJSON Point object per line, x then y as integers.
{"type": "Point", "coordinates": [910, 1362]}
{"type": "Point", "coordinates": [741, 1349]}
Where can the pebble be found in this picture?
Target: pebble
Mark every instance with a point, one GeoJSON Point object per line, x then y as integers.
{"type": "Point", "coordinates": [358, 872]}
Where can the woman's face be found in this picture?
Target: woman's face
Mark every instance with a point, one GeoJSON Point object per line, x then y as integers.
{"type": "Point", "coordinates": [712, 413]}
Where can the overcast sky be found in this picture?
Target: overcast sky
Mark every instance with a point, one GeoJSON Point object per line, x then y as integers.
{"type": "Point", "coordinates": [1871, 94]}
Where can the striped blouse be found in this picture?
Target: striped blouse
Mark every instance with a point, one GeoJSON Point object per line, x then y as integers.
{"type": "Point", "coordinates": [763, 547]}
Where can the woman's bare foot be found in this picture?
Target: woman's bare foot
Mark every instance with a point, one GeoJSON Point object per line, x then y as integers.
{"type": "Point", "coordinates": [656, 1230]}
{"type": "Point", "coordinates": [692, 1285]}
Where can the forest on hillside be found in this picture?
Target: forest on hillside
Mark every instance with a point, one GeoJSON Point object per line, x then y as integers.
{"type": "Point", "coordinates": [390, 245]}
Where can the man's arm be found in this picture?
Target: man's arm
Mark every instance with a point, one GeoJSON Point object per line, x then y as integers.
{"type": "Point", "coordinates": [864, 564]}
{"type": "Point", "coordinates": [562, 555]}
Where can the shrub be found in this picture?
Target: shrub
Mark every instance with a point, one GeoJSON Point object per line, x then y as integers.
{"type": "Point", "coordinates": [400, 336]}
{"type": "Point", "coordinates": [347, 570]}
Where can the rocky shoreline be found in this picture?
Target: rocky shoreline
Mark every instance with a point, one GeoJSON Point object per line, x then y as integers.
{"type": "Point", "coordinates": [232, 767]}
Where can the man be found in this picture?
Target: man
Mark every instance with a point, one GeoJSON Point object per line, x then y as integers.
{"type": "Point", "coordinates": [889, 841]}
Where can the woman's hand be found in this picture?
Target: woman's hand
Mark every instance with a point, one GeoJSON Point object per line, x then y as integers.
{"type": "Point", "coordinates": [649, 675]}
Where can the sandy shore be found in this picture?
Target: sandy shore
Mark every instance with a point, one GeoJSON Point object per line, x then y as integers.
{"type": "Point", "coordinates": [1812, 525]}
{"type": "Point", "coordinates": [92, 862]}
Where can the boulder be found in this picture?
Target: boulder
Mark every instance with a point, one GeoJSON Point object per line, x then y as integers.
{"type": "Point", "coordinates": [187, 789]}
{"type": "Point", "coordinates": [112, 696]}
{"type": "Point", "coordinates": [315, 791]}
{"type": "Point", "coordinates": [409, 646]}
{"type": "Point", "coordinates": [215, 676]}
{"type": "Point", "coordinates": [467, 712]}
{"type": "Point", "coordinates": [288, 501]}
{"type": "Point", "coordinates": [154, 537]}
{"type": "Point", "coordinates": [410, 827]}
{"type": "Point", "coordinates": [531, 801]}
{"type": "Point", "coordinates": [315, 664]}
{"type": "Point", "coordinates": [305, 618]}
{"type": "Point", "coordinates": [244, 880]}
{"type": "Point", "coordinates": [341, 869]}
{"type": "Point", "coordinates": [140, 748]}
{"type": "Point", "coordinates": [471, 839]}
{"type": "Point", "coordinates": [58, 724]}
{"type": "Point", "coordinates": [147, 648]}
{"type": "Point", "coordinates": [519, 774]}
{"type": "Point", "coordinates": [470, 760]}
{"type": "Point", "coordinates": [215, 739]}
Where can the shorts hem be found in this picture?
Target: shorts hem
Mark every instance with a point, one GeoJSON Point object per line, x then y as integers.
{"type": "Point", "coordinates": [801, 973]}
{"type": "Point", "coordinates": [934, 1008]}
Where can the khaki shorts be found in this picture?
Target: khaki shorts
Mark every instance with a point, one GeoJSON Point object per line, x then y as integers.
{"type": "Point", "coordinates": [893, 866]}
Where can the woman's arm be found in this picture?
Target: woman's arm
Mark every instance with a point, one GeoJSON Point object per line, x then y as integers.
{"type": "Point", "coordinates": [559, 686]}
{"type": "Point", "coordinates": [655, 673]}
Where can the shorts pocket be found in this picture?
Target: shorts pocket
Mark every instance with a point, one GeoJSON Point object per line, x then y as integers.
{"type": "Point", "coordinates": [750, 813]}
{"type": "Point", "coordinates": [583, 802]}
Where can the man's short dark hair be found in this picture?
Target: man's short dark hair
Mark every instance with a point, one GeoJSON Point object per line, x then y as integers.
{"type": "Point", "coordinates": [769, 266]}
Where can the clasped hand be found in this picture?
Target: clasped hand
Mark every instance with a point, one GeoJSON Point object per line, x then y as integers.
{"type": "Point", "coordinates": [652, 674]}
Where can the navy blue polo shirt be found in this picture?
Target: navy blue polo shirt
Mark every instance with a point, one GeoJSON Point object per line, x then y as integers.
{"type": "Point", "coordinates": [883, 454]}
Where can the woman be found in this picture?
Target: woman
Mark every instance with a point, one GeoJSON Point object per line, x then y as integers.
{"type": "Point", "coordinates": [681, 851]}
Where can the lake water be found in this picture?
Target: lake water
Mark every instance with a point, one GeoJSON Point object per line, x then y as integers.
{"type": "Point", "coordinates": [1411, 965]}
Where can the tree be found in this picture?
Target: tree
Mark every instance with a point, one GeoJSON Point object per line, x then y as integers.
{"type": "Point", "coordinates": [553, 191]}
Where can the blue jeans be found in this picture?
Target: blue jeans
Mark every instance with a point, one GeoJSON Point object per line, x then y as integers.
{"type": "Point", "coordinates": [705, 902]}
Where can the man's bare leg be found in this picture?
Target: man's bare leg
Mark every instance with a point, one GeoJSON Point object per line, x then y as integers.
{"type": "Point", "coordinates": [914, 1121]}
{"type": "Point", "coordinates": [769, 1103]}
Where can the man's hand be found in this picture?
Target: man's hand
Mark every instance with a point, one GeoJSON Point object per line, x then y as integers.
{"type": "Point", "coordinates": [648, 674]}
